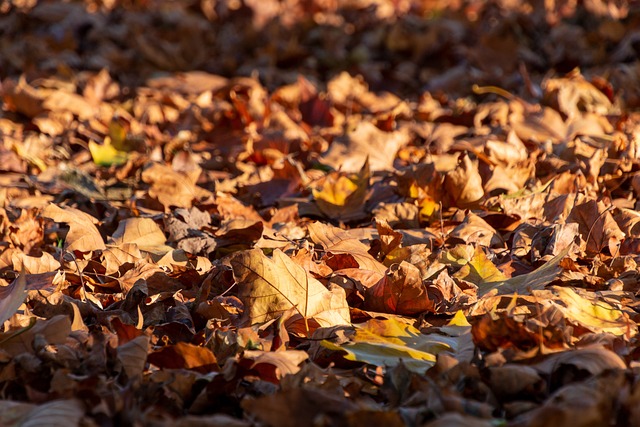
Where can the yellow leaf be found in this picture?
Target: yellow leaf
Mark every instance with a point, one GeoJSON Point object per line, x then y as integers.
{"type": "Point", "coordinates": [106, 154]}
{"type": "Point", "coordinates": [343, 196]}
{"type": "Point", "coordinates": [335, 190]}
{"type": "Point", "coordinates": [596, 316]}
{"type": "Point", "coordinates": [459, 319]}
{"type": "Point", "coordinates": [428, 208]}
{"type": "Point", "coordinates": [386, 342]}
{"type": "Point", "coordinates": [476, 267]}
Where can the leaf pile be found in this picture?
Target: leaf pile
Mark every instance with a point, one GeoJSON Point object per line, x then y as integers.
{"type": "Point", "coordinates": [319, 213]}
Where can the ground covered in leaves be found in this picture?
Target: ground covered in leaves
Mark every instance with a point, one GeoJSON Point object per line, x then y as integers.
{"type": "Point", "coordinates": [319, 213]}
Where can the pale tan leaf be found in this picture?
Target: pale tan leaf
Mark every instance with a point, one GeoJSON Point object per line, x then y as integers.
{"type": "Point", "coordinates": [114, 256]}
{"type": "Point", "coordinates": [144, 232]}
{"type": "Point", "coordinates": [270, 287]}
{"type": "Point", "coordinates": [83, 235]}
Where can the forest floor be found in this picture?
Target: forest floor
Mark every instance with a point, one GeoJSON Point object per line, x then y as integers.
{"type": "Point", "coordinates": [319, 213]}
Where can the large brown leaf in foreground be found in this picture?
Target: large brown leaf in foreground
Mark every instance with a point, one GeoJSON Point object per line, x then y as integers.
{"type": "Point", "coordinates": [271, 287]}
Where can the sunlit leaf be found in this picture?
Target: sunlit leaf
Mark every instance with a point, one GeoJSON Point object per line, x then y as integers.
{"type": "Point", "coordinates": [594, 315]}
{"type": "Point", "coordinates": [537, 279]}
{"type": "Point", "coordinates": [386, 342]}
{"type": "Point", "coordinates": [83, 234]}
{"type": "Point", "coordinates": [270, 287]}
{"type": "Point", "coordinates": [106, 154]}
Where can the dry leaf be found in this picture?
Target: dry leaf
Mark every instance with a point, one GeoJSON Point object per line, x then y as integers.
{"type": "Point", "coordinates": [83, 235]}
{"type": "Point", "coordinates": [270, 287]}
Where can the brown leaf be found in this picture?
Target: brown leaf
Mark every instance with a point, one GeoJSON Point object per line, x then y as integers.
{"type": "Point", "coordinates": [338, 242]}
{"type": "Point", "coordinates": [133, 355]}
{"type": "Point", "coordinates": [400, 291]}
{"type": "Point", "coordinates": [270, 287]}
{"type": "Point", "coordinates": [366, 141]}
{"type": "Point", "coordinates": [83, 235]}
{"type": "Point", "coordinates": [597, 227]}
{"type": "Point", "coordinates": [463, 185]}
{"type": "Point", "coordinates": [184, 356]}
{"type": "Point", "coordinates": [172, 188]}
{"type": "Point", "coordinates": [12, 297]}
{"type": "Point", "coordinates": [143, 232]}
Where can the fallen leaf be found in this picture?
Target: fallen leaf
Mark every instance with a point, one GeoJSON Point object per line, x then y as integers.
{"type": "Point", "coordinates": [83, 235]}
{"type": "Point", "coordinates": [133, 355]}
{"type": "Point", "coordinates": [144, 233]}
{"type": "Point", "coordinates": [537, 279]}
{"type": "Point", "coordinates": [387, 342]}
{"type": "Point", "coordinates": [341, 196]}
{"type": "Point", "coordinates": [594, 315]}
{"type": "Point", "coordinates": [12, 297]}
{"type": "Point", "coordinates": [271, 286]}
{"type": "Point", "coordinates": [400, 291]}
{"type": "Point", "coordinates": [463, 185]}
{"type": "Point", "coordinates": [184, 356]}
{"type": "Point", "coordinates": [338, 242]}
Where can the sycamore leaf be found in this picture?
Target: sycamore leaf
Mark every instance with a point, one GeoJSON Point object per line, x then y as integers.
{"type": "Point", "coordinates": [57, 413]}
{"type": "Point", "coordinates": [184, 356]}
{"type": "Point", "coordinates": [463, 185]}
{"type": "Point", "coordinates": [83, 235]}
{"type": "Point", "coordinates": [269, 287]}
{"type": "Point", "coordinates": [400, 291]}
{"type": "Point", "coordinates": [133, 355]}
{"type": "Point", "coordinates": [273, 365]}
{"type": "Point", "coordinates": [386, 342]}
{"type": "Point", "coordinates": [54, 330]}
{"type": "Point", "coordinates": [338, 242]}
{"type": "Point", "coordinates": [366, 141]}
{"type": "Point", "coordinates": [172, 188]}
{"type": "Point", "coordinates": [594, 315]}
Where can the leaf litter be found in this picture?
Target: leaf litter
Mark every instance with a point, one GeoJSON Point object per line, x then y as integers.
{"type": "Point", "coordinates": [319, 213]}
